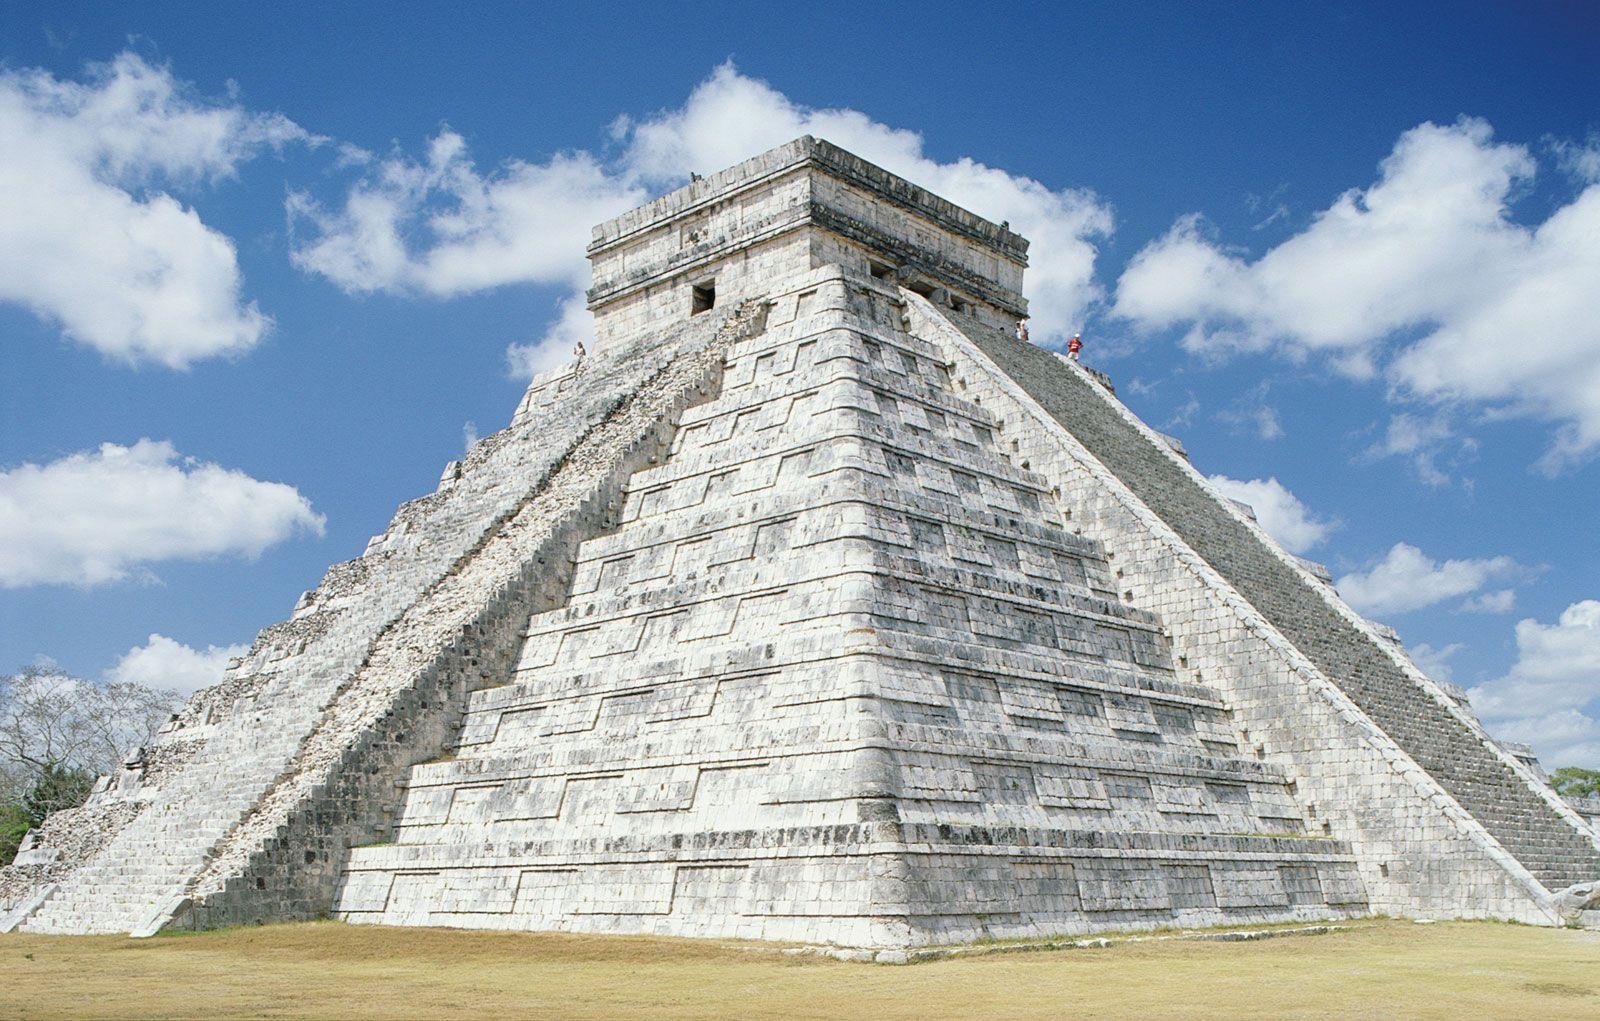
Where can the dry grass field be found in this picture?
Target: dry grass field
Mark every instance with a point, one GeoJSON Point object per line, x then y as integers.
{"type": "Point", "coordinates": [1378, 969]}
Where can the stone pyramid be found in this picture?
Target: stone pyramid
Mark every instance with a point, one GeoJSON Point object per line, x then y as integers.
{"type": "Point", "coordinates": [813, 606]}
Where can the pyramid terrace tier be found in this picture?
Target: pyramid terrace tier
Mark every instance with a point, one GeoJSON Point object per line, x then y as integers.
{"type": "Point", "coordinates": [822, 733]}
{"type": "Point", "coordinates": [865, 884]}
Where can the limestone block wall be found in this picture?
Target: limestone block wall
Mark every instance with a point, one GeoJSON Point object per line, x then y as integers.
{"type": "Point", "coordinates": [1420, 851]}
{"type": "Point", "coordinates": [675, 751]}
{"type": "Point", "coordinates": [737, 271]}
{"type": "Point", "coordinates": [965, 249]}
{"type": "Point", "coordinates": [823, 614]}
{"type": "Point", "coordinates": [284, 860]}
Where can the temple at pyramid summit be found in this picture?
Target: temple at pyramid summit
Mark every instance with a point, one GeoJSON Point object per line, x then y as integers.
{"type": "Point", "coordinates": [812, 605]}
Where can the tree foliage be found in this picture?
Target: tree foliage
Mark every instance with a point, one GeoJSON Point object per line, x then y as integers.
{"type": "Point", "coordinates": [58, 787]}
{"type": "Point", "coordinates": [59, 732]}
{"type": "Point", "coordinates": [50, 718]}
{"type": "Point", "coordinates": [14, 825]}
{"type": "Point", "coordinates": [1575, 781]}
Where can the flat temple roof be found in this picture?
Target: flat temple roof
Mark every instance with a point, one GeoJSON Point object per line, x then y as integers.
{"type": "Point", "coordinates": [835, 162]}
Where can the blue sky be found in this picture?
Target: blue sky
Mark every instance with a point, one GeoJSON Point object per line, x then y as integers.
{"type": "Point", "coordinates": [266, 274]}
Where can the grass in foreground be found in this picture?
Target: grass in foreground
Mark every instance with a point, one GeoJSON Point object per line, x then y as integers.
{"type": "Point", "coordinates": [1378, 969]}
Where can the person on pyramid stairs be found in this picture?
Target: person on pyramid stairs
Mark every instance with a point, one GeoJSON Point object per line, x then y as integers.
{"type": "Point", "coordinates": [578, 353]}
{"type": "Point", "coordinates": [1073, 347]}
{"type": "Point", "coordinates": [1022, 330]}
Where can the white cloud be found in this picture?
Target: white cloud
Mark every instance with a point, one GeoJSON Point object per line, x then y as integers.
{"type": "Point", "coordinates": [573, 324]}
{"type": "Point", "coordinates": [100, 516]}
{"type": "Point", "coordinates": [1435, 662]}
{"type": "Point", "coordinates": [1509, 315]}
{"type": "Point", "coordinates": [1271, 204]}
{"type": "Point", "coordinates": [168, 665]}
{"type": "Point", "coordinates": [1582, 162]}
{"type": "Point", "coordinates": [1425, 442]}
{"type": "Point", "coordinates": [1408, 434]}
{"type": "Point", "coordinates": [1406, 579]}
{"type": "Point", "coordinates": [1278, 511]}
{"type": "Point", "coordinates": [1262, 418]}
{"type": "Point", "coordinates": [438, 226]}
{"type": "Point", "coordinates": [1500, 601]}
{"type": "Point", "coordinates": [1550, 697]}
{"type": "Point", "coordinates": [85, 239]}
{"type": "Point", "coordinates": [1184, 416]}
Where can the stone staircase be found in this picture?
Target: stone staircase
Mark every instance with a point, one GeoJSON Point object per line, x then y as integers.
{"type": "Point", "coordinates": [271, 756]}
{"type": "Point", "coordinates": [144, 871]}
{"type": "Point", "coordinates": [133, 884]}
{"type": "Point", "coordinates": [1455, 753]}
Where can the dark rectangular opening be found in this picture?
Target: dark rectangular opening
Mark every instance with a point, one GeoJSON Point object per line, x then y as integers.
{"type": "Point", "coordinates": [703, 297]}
{"type": "Point", "coordinates": [921, 287]}
{"type": "Point", "coordinates": [880, 270]}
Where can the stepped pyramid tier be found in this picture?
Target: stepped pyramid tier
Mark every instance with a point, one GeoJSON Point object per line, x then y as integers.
{"type": "Point", "coordinates": [813, 606]}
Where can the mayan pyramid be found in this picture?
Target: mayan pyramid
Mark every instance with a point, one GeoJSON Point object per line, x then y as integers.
{"type": "Point", "coordinates": [813, 606]}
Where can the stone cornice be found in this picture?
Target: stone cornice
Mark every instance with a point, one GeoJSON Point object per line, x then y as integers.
{"type": "Point", "coordinates": [828, 159]}
{"type": "Point", "coordinates": [820, 215]}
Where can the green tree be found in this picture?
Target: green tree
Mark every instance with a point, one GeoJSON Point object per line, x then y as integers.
{"type": "Point", "coordinates": [1575, 781]}
{"type": "Point", "coordinates": [14, 825]}
{"type": "Point", "coordinates": [58, 788]}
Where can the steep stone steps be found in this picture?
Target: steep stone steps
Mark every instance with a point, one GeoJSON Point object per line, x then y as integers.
{"type": "Point", "coordinates": [1528, 826]}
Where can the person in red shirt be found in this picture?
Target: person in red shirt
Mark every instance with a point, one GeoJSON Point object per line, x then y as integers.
{"type": "Point", "coordinates": [1073, 347]}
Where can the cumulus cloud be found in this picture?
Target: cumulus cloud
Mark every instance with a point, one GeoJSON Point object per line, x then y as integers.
{"type": "Point", "coordinates": [165, 664]}
{"type": "Point", "coordinates": [87, 241]}
{"type": "Point", "coordinates": [573, 324]}
{"type": "Point", "coordinates": [102, 515]}
{"type": "Point", "coordinates": [1549, 697]}
{"type": "Point", "coordinates": [1278, 511]}
{"type": "Point", "coordinates": [1424, 277]}
{"type": "Point", "coordinates": [1407, 579]}
{"type": "Point", "coordinates": [439, 226]}
{"type": "Point", "coordinates": [1581, 161]}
